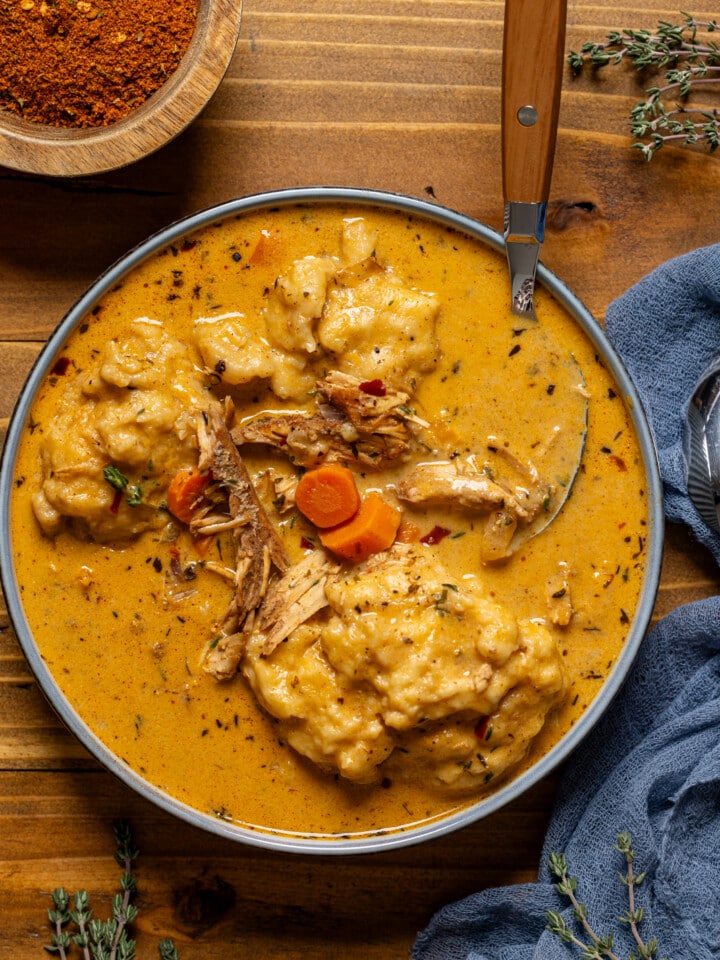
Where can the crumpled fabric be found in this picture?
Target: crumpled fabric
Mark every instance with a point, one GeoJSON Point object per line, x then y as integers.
{"type": "Point", "coordinates": [651, 766]}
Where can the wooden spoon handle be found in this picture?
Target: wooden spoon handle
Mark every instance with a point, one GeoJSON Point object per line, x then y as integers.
{"type": "Point", "coordinates": [533, 56]}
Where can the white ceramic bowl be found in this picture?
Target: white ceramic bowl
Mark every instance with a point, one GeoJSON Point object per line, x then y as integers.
{"type": "Point", "coordinates": [274, 840]}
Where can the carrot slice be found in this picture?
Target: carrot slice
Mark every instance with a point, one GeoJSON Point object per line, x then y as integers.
{"type": "Point", "coordinates": [185, 489]}
{"type": "Point", "coordinates": [327, 495]}
{"type": "Point", "coordinates": [266, 247]}
{"type": "Point", "coordinates": [371, 530]}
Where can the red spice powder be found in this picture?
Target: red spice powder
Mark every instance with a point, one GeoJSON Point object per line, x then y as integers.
{"type": "Point", "coordinates": [88, 63]}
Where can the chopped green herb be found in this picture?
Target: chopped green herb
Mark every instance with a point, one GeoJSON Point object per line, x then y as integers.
{"type": "Point", "coordinates": [115, 478]}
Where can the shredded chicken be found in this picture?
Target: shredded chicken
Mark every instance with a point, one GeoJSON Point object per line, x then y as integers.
{"type": "Point", "coordinates": [294, 598]}
{"type": "Point", "coordinates": [259, 550]}
{"type": "Point", "coordinates": [535, 489]}
{"type": "Point", "coordinates": [351, 425]}
{"type": "Point", "coordinates": [498, 533]}
{"type": "Point", "coordinates": [383, 411]}
{"type": "Point", "coordinates": [510, 504]}
{"type": "Point", "coordinates": [306, 439]}
{"type": "Point", "coordinates": [277, 490]}
{"type": "Point", "coordinates": [445, 484]}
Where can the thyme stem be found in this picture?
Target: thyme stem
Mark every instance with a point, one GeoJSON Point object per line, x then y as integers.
{"type": "Point", "coordinates": [81, 915]}
{"type": "Point", "coordinates": [631, 880]}
{"type": "Point", "coordinates": [691, 64]}
{"type": "Point", "coordinates": [102, 940]}
{"type": "Point", "coordinates": [677, 85]}
{"type": "Point", "coordinates": [600, 946]}
{"type": "Point", "coordinates": [58, 917]}
{"type": "Point", "coordinates": [567, 885]}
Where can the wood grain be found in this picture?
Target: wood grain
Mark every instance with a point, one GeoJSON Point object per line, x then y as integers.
{"type": "Point", "coordinates": [532, 71]}
{"type": "Point", "coordinates": [400, 95]}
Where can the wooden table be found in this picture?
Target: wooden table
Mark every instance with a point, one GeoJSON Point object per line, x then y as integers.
{"type": "Point", "coordinates": [397, 94]}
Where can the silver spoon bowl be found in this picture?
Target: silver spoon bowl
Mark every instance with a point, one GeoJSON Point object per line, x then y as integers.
{"type": "Point", "coordinates": [702, 446]}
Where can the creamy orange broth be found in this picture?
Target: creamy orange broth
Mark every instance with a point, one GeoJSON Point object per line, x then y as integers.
{"type": "Point", "coordinates": [130, 665]}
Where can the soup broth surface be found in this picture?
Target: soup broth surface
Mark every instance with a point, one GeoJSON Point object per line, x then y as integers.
{"type": "Point", "coordinates": [127, 623]}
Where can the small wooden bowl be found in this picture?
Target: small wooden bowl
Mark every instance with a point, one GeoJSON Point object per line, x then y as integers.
{"type": "Point", "coordinates": [68, 152]}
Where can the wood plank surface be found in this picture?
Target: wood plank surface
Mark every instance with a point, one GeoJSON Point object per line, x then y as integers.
{"type": "Point", "coordinates": [400, 95]}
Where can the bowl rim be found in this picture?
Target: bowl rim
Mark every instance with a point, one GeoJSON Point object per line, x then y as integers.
{"type": "Point", "coordinates": [286, 841]}
{"type": "Point", "coordinates": [37, 148]}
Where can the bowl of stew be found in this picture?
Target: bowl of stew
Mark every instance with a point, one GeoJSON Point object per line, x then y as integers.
{"type": "Point", "coordinates": [275, 535]}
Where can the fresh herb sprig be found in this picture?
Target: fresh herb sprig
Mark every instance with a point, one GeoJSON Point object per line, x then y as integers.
{"type": "Point", "coordinates": [118, 481]}
{"type": "Point", "coordinates": [73, 924]}
{"type": "Point", "coordinates": [600, 947]}
{"type": "Point", "coordinates": [691, 61]}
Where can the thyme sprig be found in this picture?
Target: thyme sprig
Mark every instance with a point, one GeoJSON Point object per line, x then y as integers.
{"type": "Point", "coordinates": [690, 59]}
{"type": "Point", "coordinates": [600, 947]}
{"type": "Point", "coordinates": [118, 481]}
{"type": "Point", "coordinates": [101, 939]}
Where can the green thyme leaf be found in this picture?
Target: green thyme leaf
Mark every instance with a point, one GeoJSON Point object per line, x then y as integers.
{"type": "Point", "coordinates": [115, 478]}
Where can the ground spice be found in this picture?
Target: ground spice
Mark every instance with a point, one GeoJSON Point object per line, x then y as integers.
{"type": "Point", "coordinates": [88, 63]}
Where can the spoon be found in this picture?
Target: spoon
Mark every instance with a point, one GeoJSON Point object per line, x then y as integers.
{"type": "Point", "coordinates": [702, 446]}
{"type": "Point", "coordinates": [533, 57]}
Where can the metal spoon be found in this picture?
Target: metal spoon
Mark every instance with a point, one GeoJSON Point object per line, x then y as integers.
{"type": "Point", "coordinates": [702, 446]}
{"type": "Point", "coordinates": [533, 56]}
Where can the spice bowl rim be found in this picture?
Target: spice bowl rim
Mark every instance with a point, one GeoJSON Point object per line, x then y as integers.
{"type": "Point", "coordinates": [285, 841]}
{"type": "Point", "coordinates": [59, 151]}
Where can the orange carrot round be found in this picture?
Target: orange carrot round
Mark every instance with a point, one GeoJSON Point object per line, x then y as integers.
{"type": "Point", "coordinates": [371, 530]}
{"type": "Point", "coordinates": [327, 495]}
{"type": "Point", "coordinates": [266, 247]}
{"type": "Point", "coordinates": [185, 489]}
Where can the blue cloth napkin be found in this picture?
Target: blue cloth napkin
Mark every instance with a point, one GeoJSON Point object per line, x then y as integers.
{"type": "Point", "coordinates": [652, 764]}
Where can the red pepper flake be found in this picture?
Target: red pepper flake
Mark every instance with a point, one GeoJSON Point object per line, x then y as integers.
{"type": "Point", "coordinates": [117, 500]}
{"type": "Point", "coordinates": [306, 544]}
{"type": "Point", "coordinates": [619, 463]}
{"type": "Point", "coordinates": [435, 536]}
{"type": "Point", "coordinates": [60, 367]}
{"type": "Point", "coordinates": [481, 728]}
{"type": "Point", "coordinates": [375, 388]}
